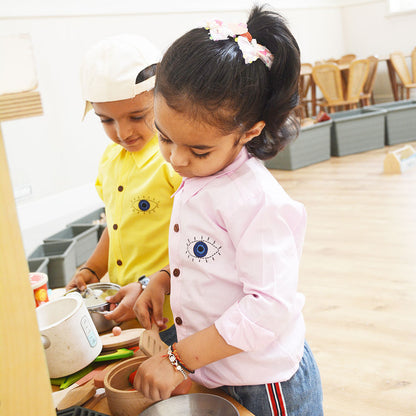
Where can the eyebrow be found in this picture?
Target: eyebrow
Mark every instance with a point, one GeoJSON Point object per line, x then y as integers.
{"type": "Point", "coordinates": [199, 147]}
{"type": "Point", "coordinates": [142, 111]}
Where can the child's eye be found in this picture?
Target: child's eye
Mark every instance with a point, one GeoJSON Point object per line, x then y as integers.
{"type": "Point", "coordinates": [137, 118]}
{"type": "Point", "coordinates": [106, 120]}
{"type": "Point", "coordinates": [163, 139]}
{"type": "Point", "coordinates": [201, 155]}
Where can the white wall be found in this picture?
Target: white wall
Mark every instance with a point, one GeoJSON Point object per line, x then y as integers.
{"type": "Point", "coordinates": [369, 29]}
{"type": "Point", "coordinates": [56, 155]}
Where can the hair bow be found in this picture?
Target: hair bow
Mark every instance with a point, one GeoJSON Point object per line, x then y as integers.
{"type": "Point", "coordinates": [251, 50]}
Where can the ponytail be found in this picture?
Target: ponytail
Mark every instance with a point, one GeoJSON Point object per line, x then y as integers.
{"type": "Point", "coordinates": [210, 81]}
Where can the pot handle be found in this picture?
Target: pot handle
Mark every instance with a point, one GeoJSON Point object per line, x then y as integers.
{"type": "Point", "coordinates": [45, 341]}
{"type": "Point", "coordinates": [100, 312]}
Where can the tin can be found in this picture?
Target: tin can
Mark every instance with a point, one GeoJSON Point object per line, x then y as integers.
{"type": "Point", "coordinates": [39, 282]}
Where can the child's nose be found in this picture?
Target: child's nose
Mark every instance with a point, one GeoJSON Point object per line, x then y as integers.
{"type": "Point", "coordinates": [178, 156]}
{"type": "Point", "coordinates": [124, 131]}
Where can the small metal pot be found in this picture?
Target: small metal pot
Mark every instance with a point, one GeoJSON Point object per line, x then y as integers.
{"type": "Point", "coordinates": [97, 311]}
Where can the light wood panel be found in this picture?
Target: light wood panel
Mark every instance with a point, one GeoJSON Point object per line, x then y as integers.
{"type": "Point", "coordinates": [25, 388]}
{"type": "Point", "coordinates": [358, 273]}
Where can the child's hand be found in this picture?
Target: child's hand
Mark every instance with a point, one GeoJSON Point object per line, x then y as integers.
{"type": "Point", "coordinates": [156, 378]}
{"type": "Point", "coordinates": [121, 308]}
{"type": "Point", "coordinates": [81, 279]}
{"type": "Point", "coordinates": [149, 306]}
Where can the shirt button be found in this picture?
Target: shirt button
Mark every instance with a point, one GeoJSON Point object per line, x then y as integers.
{"type": "Point", "coordinates": [176, 228]}
{"type": "Point", "coordinates": [115, 226]}
{"type": "Point", "coordinates": [178, 320]}
{"type": "Point", "coordinates": [119, 262]}
{"type": "Point", "coordinates": [120, 188]}
{"type": "Point", "coordinates": [176, 272]}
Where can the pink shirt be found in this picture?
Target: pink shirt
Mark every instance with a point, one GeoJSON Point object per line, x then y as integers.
{"type": "Point", "coordinates": [235, 243]}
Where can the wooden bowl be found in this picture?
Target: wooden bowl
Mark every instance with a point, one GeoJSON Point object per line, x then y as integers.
{"type": "Point", "coordinates": [122, 399]}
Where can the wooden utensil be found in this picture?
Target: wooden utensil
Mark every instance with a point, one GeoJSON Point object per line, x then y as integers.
{"type": "Point", "coordinates": [77, 396]}
{"type": "Point", "coordinates": [150, 342]}
{"type": "Point", "coordinates": [127, 338]}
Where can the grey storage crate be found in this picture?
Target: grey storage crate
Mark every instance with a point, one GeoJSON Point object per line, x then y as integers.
{"type": "Point", "coordinates": [400, 121]}
{"type": "Point", "coordinates": [38, 265]}
{"type": "Point", "coordinates": [61, 261]}
{"type": "Point", "coordinates": [356, 131]}
{"type": "Point", "coordinates": [91, 219]}
{"type": "Point", "coordinates": [312, 146]}
{"type": "Point", "coordinates": [85, 237]}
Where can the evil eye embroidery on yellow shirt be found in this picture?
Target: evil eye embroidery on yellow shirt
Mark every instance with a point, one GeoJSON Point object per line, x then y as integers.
{"type": "Point", "coordinates": [144, 205]}
{"type": "Point", "coordinates": [202, 249]}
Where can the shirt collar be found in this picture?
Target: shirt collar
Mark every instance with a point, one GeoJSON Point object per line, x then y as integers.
{"type": "Point", "coordinates": [149, 150]}
{"type": "Point", "coordinates": [192, 186]}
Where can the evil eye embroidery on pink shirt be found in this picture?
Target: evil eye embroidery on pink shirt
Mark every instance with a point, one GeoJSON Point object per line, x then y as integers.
{"type": "Point", "coordinates": [202, 249]}
{"type": "Point", "coordinates": [144, 206]}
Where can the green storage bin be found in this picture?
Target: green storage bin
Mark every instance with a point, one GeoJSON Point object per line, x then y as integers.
{"type": "Point", "coordinates": [356, 131]}
{"type": "Point", "coordinates": [92, 219]}
{"type": "Point", "coordinates": [400, 121]}
{"type": "Point", "coordinates": [61, 261]}
{"type": "Point", "coordinates": [85, 237]}
{"type": "Point", "coordinates": [38, 265]}
{"type": "Point", "coordinates": [312, 146]}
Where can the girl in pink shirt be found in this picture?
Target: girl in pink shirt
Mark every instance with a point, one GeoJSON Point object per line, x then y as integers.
{"type": "Point", "coordinates": [224, 96]}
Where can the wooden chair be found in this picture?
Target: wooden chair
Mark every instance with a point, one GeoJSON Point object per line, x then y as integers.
{"type": "Point", "coordinates": [367, 96]}
{"type": "Point", "coordinates": [400, 67]}
{"type": "Point", "coordinates": [413, 57]}
{"type": "Point", "coordinates": [357, 76]}
{"type": "Point", "coordinates": [346, 59]}
{"type": "Point", "coordinates": [305, 88]}
{"type": "Point", "coordinates": [329, 80]}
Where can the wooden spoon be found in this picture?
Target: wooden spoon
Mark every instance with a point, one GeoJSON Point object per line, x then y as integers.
{"type": "Point", "coordinates": [150, 342]}
{"type": "Point", "coordinates": [77, 396]}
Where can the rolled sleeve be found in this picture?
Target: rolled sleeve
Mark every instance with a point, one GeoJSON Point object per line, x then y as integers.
{"type": "Point", "coordinates": [241, 332]}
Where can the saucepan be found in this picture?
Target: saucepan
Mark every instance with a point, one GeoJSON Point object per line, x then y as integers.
{"type": "Point", "coordinates": [94, 299]}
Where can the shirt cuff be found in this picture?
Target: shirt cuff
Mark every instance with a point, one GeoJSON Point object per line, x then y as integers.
{"type": "Point", "coordinates": [239, 331]}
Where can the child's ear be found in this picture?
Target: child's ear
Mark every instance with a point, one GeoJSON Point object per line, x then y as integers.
{"type": "Point", "coordinates": [254, 131]}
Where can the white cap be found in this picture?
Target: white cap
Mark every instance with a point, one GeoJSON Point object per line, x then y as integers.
{"type": "Point", "coordinates": [110, 68]}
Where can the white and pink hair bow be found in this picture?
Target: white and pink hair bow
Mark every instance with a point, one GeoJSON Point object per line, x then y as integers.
{"type": "Point", "coordinates": [251, 50]}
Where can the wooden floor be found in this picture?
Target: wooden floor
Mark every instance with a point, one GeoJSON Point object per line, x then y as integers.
{"type": "Point", "coordinates": [358, 273]}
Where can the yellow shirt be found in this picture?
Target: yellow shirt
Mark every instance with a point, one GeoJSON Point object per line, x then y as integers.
{"type": "Point", "coordinates": [137, 188]}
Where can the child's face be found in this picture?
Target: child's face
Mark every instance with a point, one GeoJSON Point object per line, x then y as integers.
{"type": "Point", "coordinates": [192, 148]}
{"type": "Point", "coordinates": [128, 123]}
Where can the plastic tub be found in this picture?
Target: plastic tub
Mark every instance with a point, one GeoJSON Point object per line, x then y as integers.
{"type": "Point", "coordinates": [84, 236]}
{"type": "Point", "coordinates": [400, 121]}
{"type": "Point", "coordinates": [61, 261]}
{"type": "Point", "coordinates": [312, 146]}
{"type": "Point", "coordinates": [356, 131]}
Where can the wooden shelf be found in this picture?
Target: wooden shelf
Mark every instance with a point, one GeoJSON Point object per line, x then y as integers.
{"type": "Point", "coordinates": [20, 105]}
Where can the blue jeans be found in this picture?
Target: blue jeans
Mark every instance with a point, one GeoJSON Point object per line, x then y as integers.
{"type": "Point", "coordinates": [301, 395]}
{"type": "Point", "coordinates": [168, 336]}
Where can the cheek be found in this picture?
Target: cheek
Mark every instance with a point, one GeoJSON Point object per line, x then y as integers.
{"type": "Point", "coordinates": [164, 150]}
{"type": "Point", "coordinates": [110, 131]}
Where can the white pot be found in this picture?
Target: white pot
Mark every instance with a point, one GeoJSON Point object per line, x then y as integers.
{"type": "Point", "coordinates": [68, 335]}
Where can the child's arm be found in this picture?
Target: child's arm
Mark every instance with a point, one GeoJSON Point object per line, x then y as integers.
{"type": "Point", "coordinates": [94, 268]}
{"type": "Point", "coordinates": [156, 378]}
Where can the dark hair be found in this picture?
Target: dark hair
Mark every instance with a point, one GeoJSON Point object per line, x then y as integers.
{"type": "Point", "coordinates": [146, 73]}
{"type": "Point", "coordinates": [211, 79]}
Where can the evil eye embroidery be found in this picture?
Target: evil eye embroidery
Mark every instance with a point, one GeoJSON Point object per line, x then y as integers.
{"type": "Point", "coordinates": [202, 249]}
{"type": "Point", "coordinates": [143, 205]}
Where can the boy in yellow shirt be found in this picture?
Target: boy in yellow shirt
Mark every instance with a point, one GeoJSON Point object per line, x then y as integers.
{"type": "Point", "coordinates": [134, 181]}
